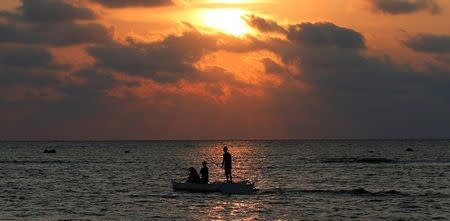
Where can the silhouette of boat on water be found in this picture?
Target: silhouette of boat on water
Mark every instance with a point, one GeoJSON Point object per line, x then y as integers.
{"type": "Point", "coordinates": [49, 151]}
{"type": "Point", "coordinates": [226, 188]}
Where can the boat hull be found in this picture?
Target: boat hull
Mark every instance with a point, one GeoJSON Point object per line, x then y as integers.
{"type": "Point", "coordinates": [227, 188]}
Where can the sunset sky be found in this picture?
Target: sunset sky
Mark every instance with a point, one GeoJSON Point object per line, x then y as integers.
{"type": "Point", "coordinates": [224, 69]}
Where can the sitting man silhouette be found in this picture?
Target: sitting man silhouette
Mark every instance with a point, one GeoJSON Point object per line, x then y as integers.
{"type": "Point", "coordinates": [205, 173]}
{"type": "Point", "coordinates": [193, 176]}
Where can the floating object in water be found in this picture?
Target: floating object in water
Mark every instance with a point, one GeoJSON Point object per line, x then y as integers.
{"type": "Point", "coordinates": [127, 151]}
{"type": "Point", "coordinates": [226, 188]}
{"type": "Point", "coordinates": [409, 150]}
{"type": "Point", "coordinates": [50, 151]}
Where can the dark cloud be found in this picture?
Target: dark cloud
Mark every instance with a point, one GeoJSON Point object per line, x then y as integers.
{"type": "Point", "coordinates": [427, 43]}
{"type": "Point", "coordinates": [27, 65]}
{"type": "Point", "coordinates": [397, 7]}
{"type": "Point", "coordinates": [271, 66]}
{"type": "Point", "coordinates": [33, 79]}
{"type": "Point", "coordinates": [96, 83]}
{"type": "Point", "coordinates": [53, 11]}
{"type": "Point", "coordinates": [25, 56]}
{"type": "Point", "coordinates": [322, 34]}
{"type": "Point", "coordinates": [325, 35]}
{"type": "Point", "coordinates": [51, 22]}
{"type": "Point", "coordinates": [264, 25]}
{"type": "Point", "coordinates": [166, 61]}
{"type": "Point", "coordinates": [61, 34]}
{"type": "Point", "coordinates": [133, 3]}
{"type": "Point", "coordinates": [369, 96]}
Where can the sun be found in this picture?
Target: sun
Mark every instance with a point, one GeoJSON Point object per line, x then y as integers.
{"type": "Point", "coordinates": [229, 21]}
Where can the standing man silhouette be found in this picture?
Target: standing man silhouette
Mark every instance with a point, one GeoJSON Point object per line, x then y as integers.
{"type": "Point", "coordinates": [226, 164]}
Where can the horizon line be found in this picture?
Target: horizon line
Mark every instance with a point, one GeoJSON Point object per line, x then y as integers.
{"type": "Point", "coordinates": [218, 140]}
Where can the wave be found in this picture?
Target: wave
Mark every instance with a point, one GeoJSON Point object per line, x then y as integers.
{"type": "Point", "coordinates": [356, 192]}
{"type": "Point", "coordinates": [358, 160]}
{"type": "Point", "coordinates": [34, 162]}
{"type": "Point", "coordinates": [381, 160]}
{"type": "Point", "coordinates": [435, 195]}
{"type": "Point", "coordinates": [67, 162]}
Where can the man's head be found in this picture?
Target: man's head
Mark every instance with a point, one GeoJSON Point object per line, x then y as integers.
{"type": "Point", "coordinates": [225, 149]}
{"type": "Point", "coordinates": [204, 163]}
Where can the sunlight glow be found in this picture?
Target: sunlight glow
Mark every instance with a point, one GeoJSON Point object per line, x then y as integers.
{"type": "Point", "coordinates": [232, 1]}
{"type": "Point", "coordinates": [229, 21]}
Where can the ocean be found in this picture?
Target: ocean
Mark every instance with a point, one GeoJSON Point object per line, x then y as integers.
{"type": "Point", "coordinates": [297, 180]}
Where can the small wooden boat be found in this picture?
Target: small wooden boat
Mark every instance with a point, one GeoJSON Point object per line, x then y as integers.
{"type": "Point", "coordinates": [226, 188]}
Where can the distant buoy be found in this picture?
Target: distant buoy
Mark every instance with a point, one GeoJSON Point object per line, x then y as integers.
{"type": "Point", "coordinates": [50, 151]}
{"type": "Point", "coordinates": [127, 151]}
{"type": "Point", "coordinates": [409, 150]}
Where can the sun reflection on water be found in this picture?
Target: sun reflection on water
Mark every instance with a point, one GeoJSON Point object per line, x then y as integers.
{"type": "Point", "coordinates": [243, 209]}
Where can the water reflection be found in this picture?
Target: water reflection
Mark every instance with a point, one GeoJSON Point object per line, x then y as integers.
{"type": "Point", "coordinates": [231, 208]}
{"type": "Point", "coordinates": [97, 181]}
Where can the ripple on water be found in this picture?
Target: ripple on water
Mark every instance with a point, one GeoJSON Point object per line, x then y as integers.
{"type": "Point", "coordinates": [321, 180]}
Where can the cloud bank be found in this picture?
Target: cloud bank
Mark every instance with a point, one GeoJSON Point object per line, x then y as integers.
{"type": "Point", "coordinates": [428, 43]}
{"type": "Point", "coordinates": [315, 80]}
{"type": "Point", "coordinates": [133, 3]}
{"type": "Point", "coordinates": [397, 7]}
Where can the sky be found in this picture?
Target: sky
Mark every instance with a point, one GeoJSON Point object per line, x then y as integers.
{"type": "Point", "coordinates": [224, 69]}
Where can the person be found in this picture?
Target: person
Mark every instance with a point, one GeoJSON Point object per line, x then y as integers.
{"type": "Point", "coordinates": [226, 164]}
{"type": "Point", "coordinates": [204, 172]}
{"type": "Point", "coordinates": [193, 176]}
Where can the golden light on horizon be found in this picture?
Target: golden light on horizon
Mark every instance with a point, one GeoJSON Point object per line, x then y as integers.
{"type": "Point", "coordinates": [232, 1]}
{"type": "Point", "coordinates": [229, 21]}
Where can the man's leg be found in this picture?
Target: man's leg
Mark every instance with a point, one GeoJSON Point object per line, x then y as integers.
{"type": "Point", "coordinates": [228, 173]}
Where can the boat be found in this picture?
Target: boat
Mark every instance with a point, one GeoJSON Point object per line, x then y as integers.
{"type": "Point", "coordinates": [226, 188]}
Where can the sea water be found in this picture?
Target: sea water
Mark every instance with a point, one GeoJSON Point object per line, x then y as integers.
{"type": "Point", "coordinates": [297, 180]}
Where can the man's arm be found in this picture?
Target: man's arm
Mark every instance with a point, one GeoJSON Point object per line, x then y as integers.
{"type": "Point", "coordinates": [223, 161]}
